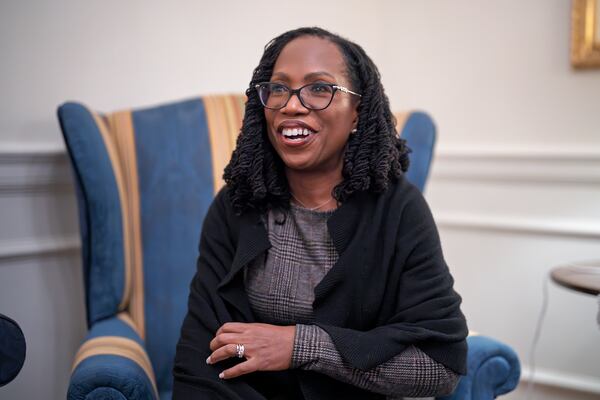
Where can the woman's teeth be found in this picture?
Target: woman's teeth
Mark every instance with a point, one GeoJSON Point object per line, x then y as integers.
{"type": "Point", "coordinates": [296, 133]}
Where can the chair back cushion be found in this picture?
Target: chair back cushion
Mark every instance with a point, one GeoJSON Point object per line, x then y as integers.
{"type": "Point", "coordinates": [419, 131]}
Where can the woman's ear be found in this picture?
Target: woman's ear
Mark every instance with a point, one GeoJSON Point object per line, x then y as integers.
{"type": "Point", "coordinates": [355, 116]}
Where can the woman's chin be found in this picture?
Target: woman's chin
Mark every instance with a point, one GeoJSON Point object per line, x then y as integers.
{"type": "Point", "coordinates": [300, 164]}
{"type": "Point", "coordinates": [303, 164]}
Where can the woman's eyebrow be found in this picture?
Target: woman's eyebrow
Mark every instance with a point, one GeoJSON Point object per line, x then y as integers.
{"type": "Point", "coordinates": [279, 75]}
{"type": "Point", "coordinates": [311, 75]}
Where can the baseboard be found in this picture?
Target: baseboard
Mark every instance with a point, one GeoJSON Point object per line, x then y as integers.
{"type": "Point", "coordinates": [548, 377]}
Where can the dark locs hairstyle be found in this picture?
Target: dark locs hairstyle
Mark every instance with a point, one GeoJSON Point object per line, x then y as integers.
{"type": "Point", "coordinates": [374, 155]}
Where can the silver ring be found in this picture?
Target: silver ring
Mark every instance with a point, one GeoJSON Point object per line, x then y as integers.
{"type": "Point", "coordinates": [239, 350]}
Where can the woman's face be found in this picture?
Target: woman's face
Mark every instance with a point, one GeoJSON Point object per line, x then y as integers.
{"type": "Point", "coordinates": [305, 60]}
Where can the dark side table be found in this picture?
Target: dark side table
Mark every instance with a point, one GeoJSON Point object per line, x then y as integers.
{"type": "Point", "coordinates": [582, 277]}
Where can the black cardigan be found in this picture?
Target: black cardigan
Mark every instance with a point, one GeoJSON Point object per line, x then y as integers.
{"type": "Point", "coordinates": [390, 288]}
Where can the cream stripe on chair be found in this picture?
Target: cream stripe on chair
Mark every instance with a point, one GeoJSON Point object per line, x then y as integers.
{"type": "Point", "coordinates": [126, 318]}
{"type": "Point", "coordinates": [123, 135]}
{"type": "Point", "coordinates": [119, 140]}
{"type": "Point", "coordinates": [401, 118]}
{"type": "Point", "coordinates": [224, 116]}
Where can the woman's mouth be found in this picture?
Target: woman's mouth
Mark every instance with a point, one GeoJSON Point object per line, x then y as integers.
{"type": "Point", "coordinates": [296, 133]}
{"type": "Point", "coordinates": [296, 136]}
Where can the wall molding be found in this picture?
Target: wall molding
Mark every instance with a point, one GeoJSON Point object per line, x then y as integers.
{"type": "Point", "coordinates": [504, 223]}
{"type": "Point", "coordinates": [560, 168]}
{"type": "Point", "coordinates": [529, 152]}
{"type": "Point", "coordinates": [40, 247]}
{"type": "Point", "coordinates": [511, 164]}
{"type": "Point", "coordinates": [28, 168]}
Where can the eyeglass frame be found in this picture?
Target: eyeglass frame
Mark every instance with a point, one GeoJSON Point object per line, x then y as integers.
{"type": "Point", "coordinates": [296, 92]}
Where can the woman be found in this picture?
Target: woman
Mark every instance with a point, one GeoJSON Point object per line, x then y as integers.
{"type": "Point", "coordinates": [320, 272]}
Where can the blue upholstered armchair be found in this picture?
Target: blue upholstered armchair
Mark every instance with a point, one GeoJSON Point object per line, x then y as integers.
{"type": "Point", "coordinates": [144, 182]}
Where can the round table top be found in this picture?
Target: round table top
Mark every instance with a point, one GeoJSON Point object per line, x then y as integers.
{"type": "Point", "coordinates": [583, 277]}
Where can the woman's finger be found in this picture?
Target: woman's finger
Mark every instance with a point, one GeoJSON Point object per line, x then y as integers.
{"type": "Point", "coordinates": [222, 353]}
{"type": "Point", "coordinates": [223, 339]}
{"type": "Point", "coordinates": [241, 369]}
{"type": "Point", "coordinates": [231, 327]}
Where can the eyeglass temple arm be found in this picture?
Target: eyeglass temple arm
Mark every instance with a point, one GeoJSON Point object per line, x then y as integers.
{"type": "Point", "coordinates": [343, 89]}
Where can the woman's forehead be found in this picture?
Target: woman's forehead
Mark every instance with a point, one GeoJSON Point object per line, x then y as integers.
{"type": "Point", "coordinates": [307, 57]}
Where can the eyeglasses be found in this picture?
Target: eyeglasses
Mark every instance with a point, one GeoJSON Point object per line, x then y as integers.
{"type": "Point", "coordinates": [314, 96]}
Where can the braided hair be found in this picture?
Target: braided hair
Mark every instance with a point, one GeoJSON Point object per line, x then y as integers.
{"type": "Point", "coordinates": [374, 155]}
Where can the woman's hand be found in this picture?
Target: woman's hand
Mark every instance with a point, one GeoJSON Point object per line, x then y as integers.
{"type": "Point", "coordinates": [266, 347]}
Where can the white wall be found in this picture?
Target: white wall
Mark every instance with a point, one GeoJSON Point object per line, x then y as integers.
{"type": "Point", "coordinates": [113, 54]}
{"type": "Point", "coordinates": [493, 73]}
{"type": "Point", "coordinates": [515, 186]}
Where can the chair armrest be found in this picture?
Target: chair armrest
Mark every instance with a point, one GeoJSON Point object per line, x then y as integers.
{"type": "Point", "coordinates": [493, 369]}
{"type": "Point", "coordinates": [112, 364]}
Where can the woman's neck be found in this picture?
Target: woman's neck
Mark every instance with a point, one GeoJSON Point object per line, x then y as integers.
{"type": "Point", "coordinates": [311, 190]}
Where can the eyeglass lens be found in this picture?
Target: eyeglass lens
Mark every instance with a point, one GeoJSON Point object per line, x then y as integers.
{"type": "Point", "coordinates": [316, 96]}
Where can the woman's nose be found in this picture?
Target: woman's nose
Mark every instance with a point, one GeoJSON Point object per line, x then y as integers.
{"type": "Point", "coordinates": [294, 106]}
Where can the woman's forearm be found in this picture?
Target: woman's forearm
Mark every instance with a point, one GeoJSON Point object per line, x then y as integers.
{"type": "Point", "coordinates": [411, 373]}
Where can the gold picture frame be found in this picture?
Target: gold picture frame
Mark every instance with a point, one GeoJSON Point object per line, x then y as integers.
{"type": "Point", "coordinates": [585, 34]}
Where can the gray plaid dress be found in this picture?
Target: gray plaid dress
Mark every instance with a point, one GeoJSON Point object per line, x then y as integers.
{"type": "Point", "coordinates": [280, 287]}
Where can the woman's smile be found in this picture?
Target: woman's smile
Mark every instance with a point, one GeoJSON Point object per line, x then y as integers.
{"type": "Point", "coordinates": [296, 133]}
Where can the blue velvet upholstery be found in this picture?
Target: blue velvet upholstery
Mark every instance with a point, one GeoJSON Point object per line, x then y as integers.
{"type": "Point", "coordinates": [114, 327]}
{"type": "Point", "coordinates": [105, 393]}
{"type": "Point", "coordinates": [172, 161]}
{"type": "Point", "coordinates": [419, 132]}
{"type": "Point", "coordinates": [118, 377]}
{"type": "Point", "coordinates": [145, 179]}
{"type": "Point", "coordinates": [100, 212]}
{"type": "Point", "coordinates": [493, 369]}
{"type": "Point", "coordinates": [12, 349]}
{"type": "Point", "coordinates": [171, 143]}
{"type": "Point", "coordinates": [111, 375]}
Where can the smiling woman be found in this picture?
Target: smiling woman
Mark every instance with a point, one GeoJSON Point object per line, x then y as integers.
{"type": "Point", "coordinates": [320, 272]}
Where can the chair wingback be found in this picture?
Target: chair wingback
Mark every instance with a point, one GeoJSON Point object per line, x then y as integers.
{"type": "Point", "coordinates": [145, 179]}
{"type": "Point", "coordinates": [100, 212]}
{"type": "Point", "coordinates": [419, 131]}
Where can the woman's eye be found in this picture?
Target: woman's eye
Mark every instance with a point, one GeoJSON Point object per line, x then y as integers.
{"type": "Point", "coordinates": [319, 88]}
{"type": "Point", "coordinates": [278, 89]}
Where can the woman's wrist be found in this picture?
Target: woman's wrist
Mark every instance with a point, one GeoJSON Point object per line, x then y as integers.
{"type": "Point", "coordinates": [306, 346]}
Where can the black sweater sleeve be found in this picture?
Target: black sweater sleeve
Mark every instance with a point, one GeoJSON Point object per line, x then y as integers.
{"type": "Point", "coordinates": [194, 379]}
{"type": "Point", "coordinates": [426, 308]}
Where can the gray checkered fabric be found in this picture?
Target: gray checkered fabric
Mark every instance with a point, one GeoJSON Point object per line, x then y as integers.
{"type": "Point", "coordinates": [412, 373]}
{"type": "Point", "coordinates": [280, 287]}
